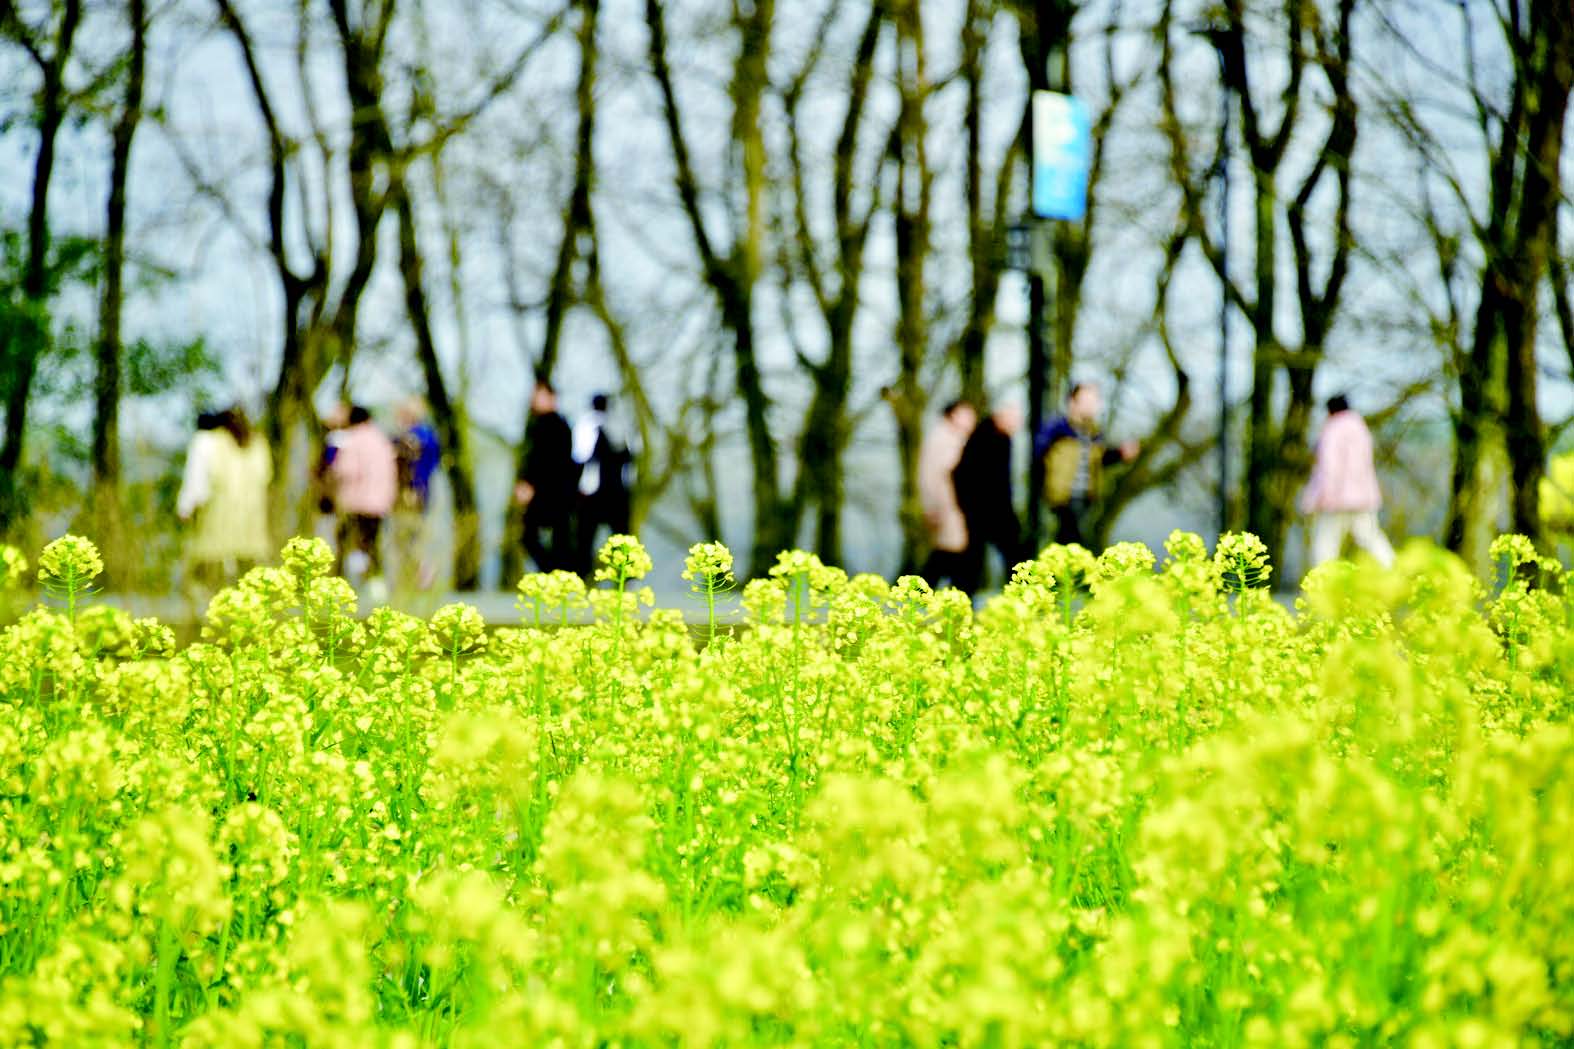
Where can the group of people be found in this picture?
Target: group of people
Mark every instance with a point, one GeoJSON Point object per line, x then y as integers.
{"type": "Point", "coordinates": [572, 482]}
{"type": "Point", "coordinates": [965, 470]}
{"type": "Point", "coordinates": [363, 477]}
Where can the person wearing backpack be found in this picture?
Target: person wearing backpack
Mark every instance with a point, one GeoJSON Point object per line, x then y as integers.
{"type": "Point", "coordinates": [1075, 454]}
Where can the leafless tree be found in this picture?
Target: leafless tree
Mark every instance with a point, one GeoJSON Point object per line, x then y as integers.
{"type": "Point", "coordinates": [1317, 45]}
{"type": "Point", "coordinates": [834, 275]}
{"type": "Point", "coordinates": [1518, 238]}
{"type": "Point", "coordinates": [49, 46]}
{"type": "Point", "coordinates": [733, 268]}
{"type": "Point", "coordinates": [106, 383]}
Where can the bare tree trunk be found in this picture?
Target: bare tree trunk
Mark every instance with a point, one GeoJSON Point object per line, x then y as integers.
{"type": "Point", "coordinates": [1518, 241]}
{"type": "Point", "coordinates": [287, 416]}
{"type": "Point", "coordinates": [821, 446]}
{"type": "Point", "coordinates": [24, 352]}
{"type": "Point", "coordinates": [1562, 280]}
{"type": "Point", "coordinates": [1150, 469]}
{"type": "Point", "coordinates": [1264, 515]}
{"type": "Point", "coordinates": [981, 238]}
{"type": "Point", "coordinates": [445, 414]}
{"type": "Point", "coordinates": [106, 380]}
{"type": "Point", "coordinates": [578, 228]}
{"type": "Point", "coordinates": [827, 430]}
{"type": "Point", "coordinates": [1317, 306]}
{"type": "Point", "coordinates": [577, 220]}
{"type": "Point", "coordinates": [732, 277]}
{"type": "Point", "coordinates": [1464, 487]}
{"type": "Point", "coordinates": [1276, 453]}
{"type": "Point", "coordinates": [369, 156]}
{"type": "Point", "coordinates": [1549, 66]}
{"type": "Point", "coordinates": [914, 194]}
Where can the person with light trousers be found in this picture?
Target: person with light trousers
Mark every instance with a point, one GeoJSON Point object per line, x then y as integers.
{"type": "Point", "coordinates": [1342, 496]}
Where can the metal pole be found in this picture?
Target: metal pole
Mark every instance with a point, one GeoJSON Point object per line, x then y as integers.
{"type": "Point", "coordinates": [1037, 383]}
{"type": "Point", "coordinates": [1224, 302]}
{"type": "Point", "coordinates": [1037, 356]}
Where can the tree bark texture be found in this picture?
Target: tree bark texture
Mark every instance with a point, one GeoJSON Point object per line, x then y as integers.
{"type": "Point", "coordinates": [106, 379]}
{"type": "Point", "coordinates": [445, 414]}
{"type": "Point", "coordinates": [23, 352]}
{"type": "Point", "coordinates": [1518, 238]}
{"type": "Point", "coordinates": [732, 277]}
{"type": "Point", "coordinates": [827, 428]}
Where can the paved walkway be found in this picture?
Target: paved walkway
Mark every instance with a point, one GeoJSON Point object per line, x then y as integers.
{"type": "Point", "coordinates": [497, 607]}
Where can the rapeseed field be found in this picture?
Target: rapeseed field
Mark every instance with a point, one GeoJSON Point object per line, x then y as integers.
{"type": "Point", "coordinates": [1132, 801]}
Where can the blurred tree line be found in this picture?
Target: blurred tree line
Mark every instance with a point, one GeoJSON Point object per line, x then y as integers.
{"type": "Point", "coordinates": [782, 228]}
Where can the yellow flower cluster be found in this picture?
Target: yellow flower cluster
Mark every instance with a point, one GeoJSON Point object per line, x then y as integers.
{"type": "Point", "coordinates": [622, 558]}
{"type": "Point", "coordinates": [1134, 800]}
{"type": "Point", "coordinates": [708, 565]}
{"type": "Point", "coordinates": [69, 561]}
{"type": "Point", "coordinates": [13, 568]}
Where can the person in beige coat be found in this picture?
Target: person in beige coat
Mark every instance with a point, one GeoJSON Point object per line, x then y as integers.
{"type": "Point", "coordinates": [937, 460]}
{"type": "Point", "coordinates": [224, 493]}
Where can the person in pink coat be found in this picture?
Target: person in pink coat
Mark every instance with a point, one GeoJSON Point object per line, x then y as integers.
{"type": "Point", "coordinates": [364, 471]}
{"type": "Point", "coordinates": [1342, 496]}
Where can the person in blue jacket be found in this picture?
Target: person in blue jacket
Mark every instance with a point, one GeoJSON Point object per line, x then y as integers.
{"type": "Point", "coordinates": [1074, 454]}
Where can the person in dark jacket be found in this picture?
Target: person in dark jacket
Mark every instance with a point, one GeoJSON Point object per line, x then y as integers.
{"type": "Point", "coordinates": [983, 490]}
{"type": "Point", "coordinates": [547, 483]}
{"type": "Point", "coordinates": [1074, 455]}
{"type": "Point", "coordinates": [603, 497]}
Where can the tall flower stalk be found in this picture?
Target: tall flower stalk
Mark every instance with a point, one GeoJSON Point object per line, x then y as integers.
{"type": "Point", "coordinates": [708, 570]}
{"type": "Point", "coordinates": [623, 560]}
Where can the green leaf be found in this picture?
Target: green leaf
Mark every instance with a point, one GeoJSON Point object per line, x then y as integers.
{"type": "Point", "coordinates": [153, 368]}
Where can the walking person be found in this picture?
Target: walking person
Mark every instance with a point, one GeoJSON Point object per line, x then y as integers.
{"type": "Point", "coordinates": [224, 493]}
{"type": "Point", "coordinates": [326, 526]}
{"type": "Point", "coordinates": [603, 486]}
{"type": "Point", "coordinates": [547, 484]}
{"type": "Point", "coordinates": [1075, 454]}
{"type": "Point", "coordinates": [982, 479]}
{"type": "Point", "coordinates": [419, 455]}
{"type": "Point", "coordinates": [947, 528]}
{"type": "Point", "coordinates": [364, 474]}
{"type": "Point", "coordinates": [1342, 495]}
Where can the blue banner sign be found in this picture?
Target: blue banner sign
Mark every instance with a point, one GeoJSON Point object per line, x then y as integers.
{"type": "Point", "coordinates": [1062, 153]}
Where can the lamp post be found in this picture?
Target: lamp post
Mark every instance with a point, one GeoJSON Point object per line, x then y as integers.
{"type": "Point", "coordinates": [1215, 36]}
{"type": "Point", "coordinates": [1224, 297]}
{"type": "Point", "coordinates": [1027, 252]}
{"type": "Point", "coordinates": [1038, 382]}
{"type": "Point", "coordinates": [1060, 146]}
